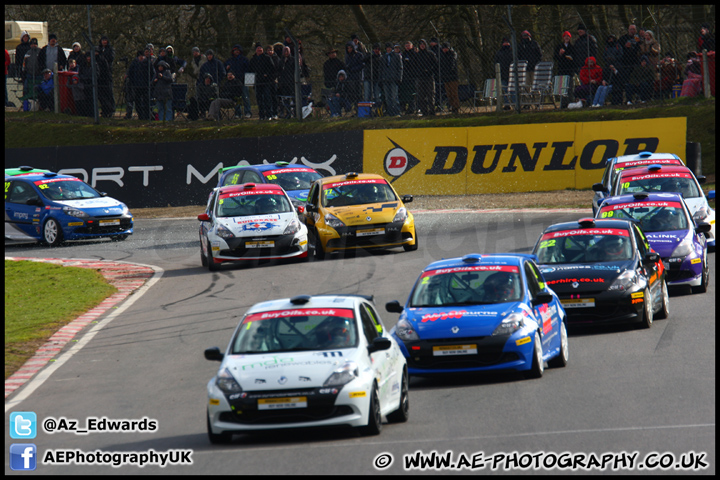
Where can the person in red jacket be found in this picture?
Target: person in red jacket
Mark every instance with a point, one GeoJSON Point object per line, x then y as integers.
{"type": "Point", "coordinates": [591, 75]}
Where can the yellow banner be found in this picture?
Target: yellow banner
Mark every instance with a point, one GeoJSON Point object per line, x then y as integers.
{"type": "Point", "coordinates": [512, 158]}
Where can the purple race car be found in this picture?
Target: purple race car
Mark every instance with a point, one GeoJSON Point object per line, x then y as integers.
{"type": "Point", "coordinates": [671, 231]}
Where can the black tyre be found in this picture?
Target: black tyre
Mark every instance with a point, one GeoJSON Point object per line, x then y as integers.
{"type": "Point", "coordinates": [664, 311]}
{"type": "Point", "coordinates": [412, 248]}
{"type": "Point", "coordinates": [538, 365]}
{"type": "Point", "coordinates": [402, 414]}
{"type": "Point", "coordinates": [212, 266]}
{"type": "Point", "coordinates": [52, 233]}
{"type": "Point", "coordinates": [374, 425]}
{"type": "Point", "coordinates": [217, 438]}
{"type": "Point", "coordinates": [317, 247]}
{"type": "Point", "coordinates": [702, 288]}
{"type": "Point", "coordinates": [203, 258]}
{"type": "Point", "coordinates": [562, 359]}
{"type": "Point", "coordinates": [647, 316]}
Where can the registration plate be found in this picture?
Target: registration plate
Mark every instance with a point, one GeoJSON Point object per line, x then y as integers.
{"type": "Point", "coordinates": [268, 244]}
{"type": "Point", "coordinates": [578, 302]}
{"type": "Point", "coordinates": [284, 402]}
{"type": "Point", "coordinates": [367, 233]}
{"type": "Point", "coordinates": [109, 222]}
{"type": "Point", "coordinates": [455, 350]}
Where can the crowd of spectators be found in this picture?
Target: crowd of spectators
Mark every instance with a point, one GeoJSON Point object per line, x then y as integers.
{"type": "Point", "coordinates": [407, 79]}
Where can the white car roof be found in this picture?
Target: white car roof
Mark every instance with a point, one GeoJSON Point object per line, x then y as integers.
{"type": "Point", "coordinates": [316, 301]}
{"type": "Point", "coordinates": [645, 156]}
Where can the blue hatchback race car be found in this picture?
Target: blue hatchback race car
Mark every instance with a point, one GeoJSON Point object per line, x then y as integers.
{"type": "Point", "coordinates": [481, 313]}
{"type": "Point", "coordinates": [294, 179]}
{"type": "Point", "coordinates": [671, 231]}
{"type": "Point", "coordinates": [51, 208]}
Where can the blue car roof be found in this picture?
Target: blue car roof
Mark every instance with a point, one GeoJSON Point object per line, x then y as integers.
{"type": "Point", "coordinates": [643, 197]}
{"type": "Point", "coordinates": [34, 177]}
{"type": "Point", "coordinates": [481, 259]}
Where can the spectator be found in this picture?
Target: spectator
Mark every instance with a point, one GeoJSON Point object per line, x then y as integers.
{"type": "Point", "coordinates": [83, 89]}
{"type": "Point", "coordinates": [591, 76]}
{"type": "Point", "coordinates": [139, 75]}
{"type": "Point", "coordinates": [371, 75]}
{"type": "Point", "coordinates": [230, 95]}
{"type": "Point", "coordinates": [354, 71]}
{"type": "Point", "coordinates": [613, 51]}
{"type": "Point", "coordinates": [304, 67]}
{"type": "Point", "coordinates": [391, 72]}
{"type": "Point", "coordinates": [692, 85]}
{"type": "Point", "coordinates": [640, 82]}
{"type": "Point", "coordinates": [630, 44]}
{"type": "Point", "coordinates": [449, 72]}
{"type": "Point", "coordinates": [162, 83]}
{"type": "Point", "coordinates": [339, 98]}
{"type": "Point", "coordinates": [177, 64]}
{"type": "Point", "coordinates": [44, 91]}
{"type": "Point", "coordinates": [670, 75]}
{"type": "Point", "coordinates": [650, 48]}
{"type": "Point", "coordinates": [270, 52]}
{"type": "Point", "coordinates": [205, 93]}
{"type": "Point", "coordinates": [504, 57]}
{"type": "Point", "coordinates": [150, 54]}
{"type": "Point", "coordinates": [77, 54]}
{"type": "Point", "coordinates": [427, 65]}
{"type": "Point", "coordinates": [707, 39]}
{"type": "Point", "coordinates": [20, 52]}
{"type": "Point", "coordinates": [330, 68]}
{"type": "Point", "coordinates": [286, 78]}
{"type": "Point", "coordinates": [610, 77]}
{"type": "Point", "coordinates": [32, 68]}
{"type": "Point", "coordinates": [213, 66]}
{"type": "Point", "coordinates": [82, 106]}
{"type": "Point", "coordinates": [7, 64]}
{"type": "Point", "coordinates": [239, 65]}
{"type": "Point", "coordinates": [529, 50]}
{"type": "Point", "coordinates": [359, 46]}
{"type": "Point", "coordinates": [565, 56]}
{"type": "Point", "coordinates": [406, 91]}
{"type": "Point", "coordinates": [196, 62]}
{"type": "Point", "coordinates": [585, 46]}
{"type": "Point", "coordinates": [434, 47]}
{"type": "Point", "coordinates": [52, 53]}
{"type": "Point", "coordinates": [105, 54]}
{"type": "Point", "coordinates": [264, 70]}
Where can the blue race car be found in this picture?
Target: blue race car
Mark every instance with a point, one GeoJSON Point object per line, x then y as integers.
{"type": "Point", "coordinates": [295, 179]}
{"type": "Point", "coordinates": [481, 313]}
{"type": "Point", "coordinates": [671, 231]}
{"type": "Point", "coordinates": [52, 208]}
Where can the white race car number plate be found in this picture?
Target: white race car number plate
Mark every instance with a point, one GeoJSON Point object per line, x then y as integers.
{"type": "Point", "coordinates": [455, 350]}
{"type": "Point", "coordinates": [268, 244]}
{"type": "Point", "coordinates": [284, 402]}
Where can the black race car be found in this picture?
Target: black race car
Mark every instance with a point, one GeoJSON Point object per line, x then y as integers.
{"type": "Point", "coordinates": [603, 271]}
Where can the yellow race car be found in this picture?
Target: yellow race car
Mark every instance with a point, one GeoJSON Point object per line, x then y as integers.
{"type": "Point", "coordinates": [357, 210]}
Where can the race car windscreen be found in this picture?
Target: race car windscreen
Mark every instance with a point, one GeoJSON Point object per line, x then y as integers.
{"type": "Point", "coordinates": [357, 192]}
{"type": "Point", "coordinates": [584, 245]}
{"type": "Point", "coordinates": [292, 178]}
{"type": "Point", "coordinates": [66, 189]}
{"type": "Point", "coordinates": [655, 183]}
{"type": "Point", "coordinates": [476, 285]}
{"type": "Point", "coordinates": [296, 330]}
{"type": "Point", "coordinates": [653, 216]}
{"type": "Point", "coordinates": [234, 205]}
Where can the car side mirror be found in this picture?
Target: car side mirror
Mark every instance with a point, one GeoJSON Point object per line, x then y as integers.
{"type": "Point", "coordinates": [214, 354]}
{"type": "Point", "coordinates": [652, 256]}
{"type": "Point", "coordinates": [542, 297]}
{"type": "Point", "coordinates": [310, 208]}
{"type": "Point", "coordinates": [380, 343]}
{"type": "Point", "coordinates": [394, 307]}
{"type": "Point", "coordinates": [703, 228]}
{"type": "Point", "coordinates": [204, 217]}
{"type": "Point", "coordinates": [599, 187]}
{"type": "Point", "coordinates": [407, 198]}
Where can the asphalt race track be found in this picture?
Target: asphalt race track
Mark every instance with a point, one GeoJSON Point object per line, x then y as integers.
{"type": "Point", "coordinates": [649, 393]}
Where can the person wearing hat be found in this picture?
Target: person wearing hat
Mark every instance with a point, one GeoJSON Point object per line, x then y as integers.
{"type": "Point", "coordinates": [44, 92]}
{"type": "Point", "coordinates": [177, 64]}
{"type": "Point", "coordinates": [359, 46]}
{"type": "Point", "coordinates": [162, 91]}
{"type": "Point", "coordinates": [52, 53]}
{"type": "Point", "coordinates": [77, 54]}
{"type": "Point", "coordinates": [21, 50]}
{"type": "Point", "coordinates": [331, 67]}
{"type": "Point", "coordinates": [707, 39]}
{"type": "Point", "coordinates": [585, 46]}
{"type": "Point", "coordinates": [529, 50]}
{"type": "Point", "coordinates": [449, 72]}
{"type": "Point", "coordinates": [371, 75]}
{"type": "Point", "coordinates": [197, 60]}
{"type": "Point", "coordinates": [31, 68]}
{"type": "Point", "coordinates": [139, 75]}
{"type": "Point", "coordinates": [105, 57]}
{"type": "Point", "coordinates": [650, 47]}
{"type": "Point", "coordinates": [213, 66]}
{"type": "Point", "coordinates": [564, 56]}
{"type": "Point", "coordinates": [391, 75]}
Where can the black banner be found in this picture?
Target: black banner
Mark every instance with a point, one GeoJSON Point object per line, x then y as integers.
{"type": "Point", "coordinates": [179, 174]}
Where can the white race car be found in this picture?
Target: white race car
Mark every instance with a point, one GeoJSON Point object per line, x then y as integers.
{"type": "Point", "coordinates": [250, 222]}
{"type": "Point", "coordinates": [307, 361]}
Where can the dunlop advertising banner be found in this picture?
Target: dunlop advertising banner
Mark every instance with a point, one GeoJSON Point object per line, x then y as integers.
{"type": "Point", "coordinates": [513, 158]}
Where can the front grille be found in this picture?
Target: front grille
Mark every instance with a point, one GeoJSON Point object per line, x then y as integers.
{"type": "Point", "coordinates": [283, 245]}
{"type": "Point", "coordinates": [489, 352]}
{"type": "Point", "coordinates": [309, 414]}
{"type": "Point", "coordinates": [349, 239]}
{"type": "Point", "coordinates": [95, 228]}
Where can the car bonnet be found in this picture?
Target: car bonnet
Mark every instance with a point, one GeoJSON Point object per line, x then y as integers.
{"type": "Point", "coordinates": [585, 277]}
{"type": "Point", "coordinates": [355, 215]}
{"type": "Point", "coordinates": [665, 242]}
{"type": "Point", "coordinates": [252, 225]}
{"type": "Point", "coordinates": [458, 321]}
{"type": "Point", "coordinates": [93, 206]}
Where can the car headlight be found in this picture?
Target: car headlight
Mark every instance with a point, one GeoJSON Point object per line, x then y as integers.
{"type": "Point", "coordinates": [74, 212]}
{"type": "Point", "coordinates": [510, 325]}
{"type": "Point", "coordinates": [224, 232]}
{"type": "Point", "coordinates": [292, 227]}
{"type": "Point", "coordinates": [405, 331]}
{"type": "Point", "coordinates": [227, 383]}
{"type": "Point", "coordinates": [400, 216]}
{"type": "Point", "coordinates": [332, 221]}
{"type": "Point", "coordinates": [702, 213]}
{"type": "Point", "coordinates": [684, 249]}
{"type": "Point", "coordinates": [626, 280]}
{"type": "Point", "coordinates": [343, 375]}
{"type": "Point", "coordinates": [125, 209]}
